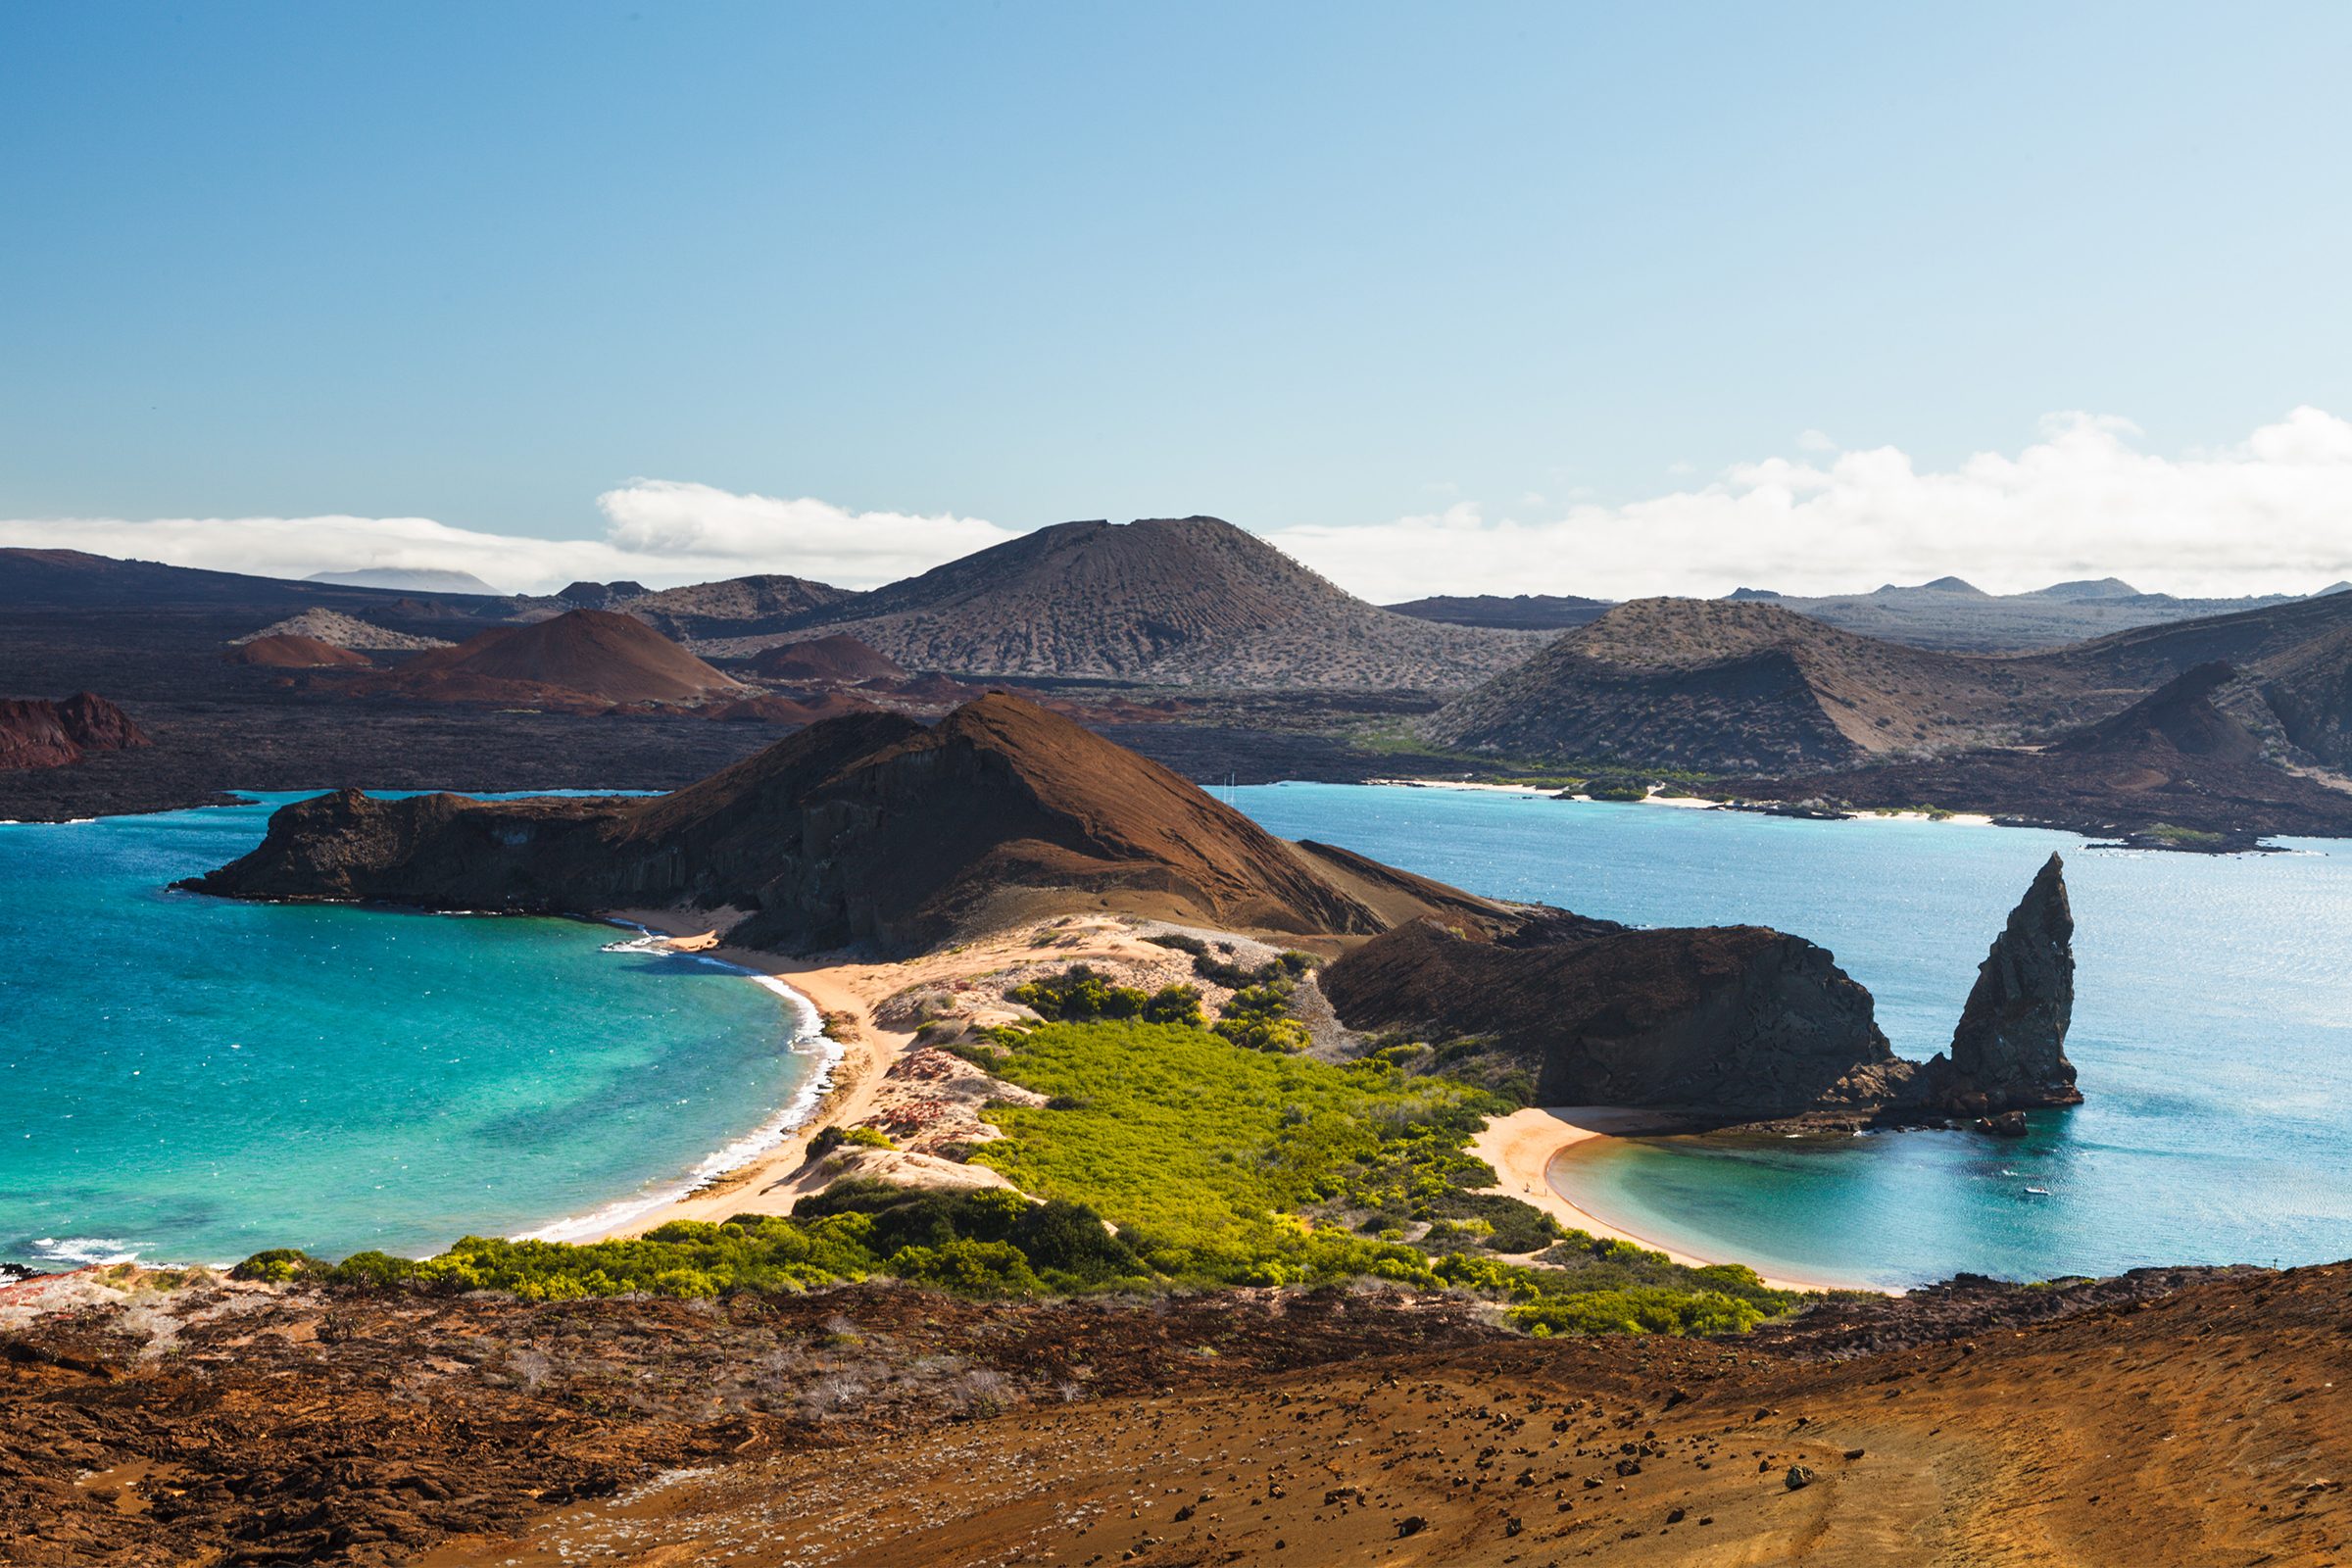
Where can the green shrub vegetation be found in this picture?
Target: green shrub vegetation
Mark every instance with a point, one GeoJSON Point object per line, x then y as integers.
{"type": "Point", "coordinates": [1079, 995]}
{"type": "Point", "coordinates": [1164, 1156]}
{"type": "Point", "coordinates": [1258, 1017]}
{"type": "Point", "coordinates": [829, 1139]}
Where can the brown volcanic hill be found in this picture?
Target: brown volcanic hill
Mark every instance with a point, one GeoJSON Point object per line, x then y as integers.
{"type": "Point", "coordinates": [2176, 759]}
{"type": "Point", "coordinates": [836, 660]}
{"type": "Point", "coordinates": [737, 606]}
{"type": "Point", "coordinates": [1741, 686]}
{"type": "Point", "coordinates": [865, 828]}
{"type": "Point", "coordinates": [2165, 1417]}
{"type": "Point", "coordinates": [37, 733]}
{"type": "Point", "coordinates": [595, 654]}
{"type": "Point", "coordinates": [289, 650]}
{"type": "Point", "coordinates": [1187, 600]}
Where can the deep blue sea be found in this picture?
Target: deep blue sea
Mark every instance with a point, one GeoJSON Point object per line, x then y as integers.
{"type": "Point", "coordinates": [187, 1079]}
{"type": "Point", "coordinates": [2212, 1030]}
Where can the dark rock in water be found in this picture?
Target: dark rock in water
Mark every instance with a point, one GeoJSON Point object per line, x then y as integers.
{"type": "Point", "coordinates": [2010, 1048]}
{"type": "Point", "coordinates": [2008, 1124]}
{"type": "Point", "coordinates": [1725, 1020]}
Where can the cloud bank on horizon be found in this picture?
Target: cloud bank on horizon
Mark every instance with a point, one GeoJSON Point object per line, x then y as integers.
{"type": "Point", "coordinates": [2266, 515]}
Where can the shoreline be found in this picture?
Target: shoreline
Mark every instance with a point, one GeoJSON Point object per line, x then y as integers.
{"type": "Point", "coordinates": [861, 1053]}
{"type": "Point", "coordinates": [1522, 1146]}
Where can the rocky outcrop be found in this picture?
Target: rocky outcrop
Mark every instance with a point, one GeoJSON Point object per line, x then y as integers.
{"type": "Point", "coordinates": [1734, 1021]}
{"type": "Point", "coordinates": [867, 828]}
{"type": "Point", "coordinates": [2009, 1051]}
{"type": "Point", "coordinates": [36, 733]}
{"type": "Point", "coordinates": [1727, 1023]}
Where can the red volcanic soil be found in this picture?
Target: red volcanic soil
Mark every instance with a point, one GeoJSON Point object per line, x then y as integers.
{"type": "Point", "coordinates": [43, 734]}
{"type": "Point", "coordinates": [835, 661]}
{"type": "Point", "coordinates": [285, 651]}
{"type": "Point", "coordinates": [588, 658]}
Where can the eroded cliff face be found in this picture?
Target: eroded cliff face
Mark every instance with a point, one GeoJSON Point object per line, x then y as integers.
{"type": "Point", "coordinates": [2009, 1051]}
{"type": "Point", "coordinates": [1717, 1020]}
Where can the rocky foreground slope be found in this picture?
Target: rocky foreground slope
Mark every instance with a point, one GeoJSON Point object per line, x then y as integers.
{"type": "Point", "coordinates": [2167, 1417]}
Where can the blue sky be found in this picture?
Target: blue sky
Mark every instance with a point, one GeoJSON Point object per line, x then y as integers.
{"type": "Point", "coordinates": [1310, 267]}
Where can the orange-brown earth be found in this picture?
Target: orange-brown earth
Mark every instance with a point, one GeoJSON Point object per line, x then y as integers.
{"type": "Point", "coordinates": [293, 651]}
{"type": "Point", "coordinates": [587, 656]}
{"type": "Point", "coordinates": [2159, 1419]}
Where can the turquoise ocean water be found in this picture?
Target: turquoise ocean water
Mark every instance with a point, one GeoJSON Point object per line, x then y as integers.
{"type": "Point", "coordinates": [187, 1079]}
{"type": "Point", "coordinates": [184, 1078]}
{"type": "Point", "coordinates": [2213, 1031]}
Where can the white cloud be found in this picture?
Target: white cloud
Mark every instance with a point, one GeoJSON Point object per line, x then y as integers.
{"type": "Point", "coordinates": [2270, 513]}
{"type": "Point", "coordinates": [2273, 513]}
{"type": "Point", "coordinates": [658, 531]}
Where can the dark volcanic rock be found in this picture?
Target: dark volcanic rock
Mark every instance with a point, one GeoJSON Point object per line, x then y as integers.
{"type": "Point", "coordinates": [1725, 1020]}
{"type": "Point", "coordinates": [864, 828]}
{"type": "Point", "coordinates": [2009, 1051]}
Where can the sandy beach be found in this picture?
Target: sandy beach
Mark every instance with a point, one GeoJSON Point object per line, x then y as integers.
{"type": "Point", "coordinates": [1521, 1147]}
{"type": "Point", "coordinates": [850, 995]}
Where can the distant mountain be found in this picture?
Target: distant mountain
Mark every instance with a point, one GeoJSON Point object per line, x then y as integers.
{"type": "Point", "coordinates": [1955, 615]}
{"type": "Point", "coordinates": [1184, 602]}
{"type": "Point", "coordinates": [1727, 686]}
{"type": "Point", "coordinates": [1519, 612]}
{"type": "Point", "coordinates": [2177, 763]}
{"type": "Point", "coordinates": [733, 608]}
{"type": "Point", "coordinates": [600, 595]}
{"type": "Point", "coordinates": [410, 581]}
{"type": "Point", "coordinates": [2086, 589]}
{"type": "Point", "coordinates": [2146, 656]}
{"type": "Point", "coordinates": [586, 657]}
